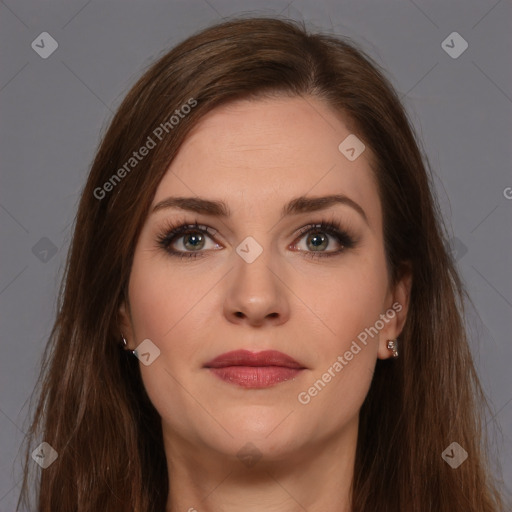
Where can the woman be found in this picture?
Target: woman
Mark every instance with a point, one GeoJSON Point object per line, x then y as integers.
{"type": "Point", "coordinates": [259, 308]}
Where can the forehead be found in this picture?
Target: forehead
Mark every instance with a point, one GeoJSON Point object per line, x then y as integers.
{"type": "Point", "coordinates": [255, 155]}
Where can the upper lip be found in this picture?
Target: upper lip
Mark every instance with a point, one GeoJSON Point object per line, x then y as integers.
{"type": "Point", "coordinates": [247, 358]}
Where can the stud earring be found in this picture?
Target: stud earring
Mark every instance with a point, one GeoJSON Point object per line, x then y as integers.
{"type": "Point", "coordinates": [393, 346]}
{"type": "Point", "coordinates": [125, 344]}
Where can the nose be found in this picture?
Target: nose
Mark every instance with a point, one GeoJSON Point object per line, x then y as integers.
{"type": "Point", "coordinates": [257, 293]}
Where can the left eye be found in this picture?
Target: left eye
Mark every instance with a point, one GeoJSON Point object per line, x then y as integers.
{"type": "Point", "coordinates": [316, 239]}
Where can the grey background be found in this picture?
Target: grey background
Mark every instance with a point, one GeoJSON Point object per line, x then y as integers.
{"type": "Point", "coordinates": [54, 111]}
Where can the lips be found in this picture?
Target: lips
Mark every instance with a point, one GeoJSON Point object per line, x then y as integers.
{"type": "Point", "coordinates": [246, 358]}
{"type": "Point", "coordinates": [254, 370]}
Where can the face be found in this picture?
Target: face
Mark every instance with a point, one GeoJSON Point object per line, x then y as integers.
{"type": "Point", "coordinates": [307, 279]}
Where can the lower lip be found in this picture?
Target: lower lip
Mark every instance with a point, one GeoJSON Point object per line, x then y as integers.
{"type": "Point", "coordinates": [255, 376]}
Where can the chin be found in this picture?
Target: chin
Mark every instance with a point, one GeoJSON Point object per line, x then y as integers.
{"type": "Point", "coordinates": [271, 432]}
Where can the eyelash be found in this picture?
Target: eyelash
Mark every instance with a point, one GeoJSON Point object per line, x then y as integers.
{"type": "Point", "coordinates": [173, 231]}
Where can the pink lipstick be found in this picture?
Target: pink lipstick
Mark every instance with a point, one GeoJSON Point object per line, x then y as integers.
{"type": "Point", "coordinates": [254, 369]}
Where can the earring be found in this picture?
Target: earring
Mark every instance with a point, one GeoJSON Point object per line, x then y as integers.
{"type": "Point", "coordinates": [393, 346]}
{"type": "Point", "coordinates": [125, 344]}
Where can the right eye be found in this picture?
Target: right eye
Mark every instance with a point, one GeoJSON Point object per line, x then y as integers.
{"type": "Point", "coordinates": [194, 239]}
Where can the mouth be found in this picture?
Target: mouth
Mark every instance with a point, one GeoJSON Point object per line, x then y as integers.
{"type": "Point", "coordinates": [254, 370]}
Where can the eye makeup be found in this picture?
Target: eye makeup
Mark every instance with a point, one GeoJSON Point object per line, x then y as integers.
{"type": "Point", "coordinates": [196, 233]}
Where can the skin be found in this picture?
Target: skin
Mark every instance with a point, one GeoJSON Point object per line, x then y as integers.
{"type": "Point", "coordinates": [256, 156]}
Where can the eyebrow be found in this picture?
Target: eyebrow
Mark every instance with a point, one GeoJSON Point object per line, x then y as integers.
{"type": "Point", "coordinates": [296, 206]}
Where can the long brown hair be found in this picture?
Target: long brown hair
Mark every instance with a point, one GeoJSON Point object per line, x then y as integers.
{"type": "Point", "coordinates": [93, 408]}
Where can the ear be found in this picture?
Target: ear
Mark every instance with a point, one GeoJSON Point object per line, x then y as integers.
{"type": "Point", "coordinates": [125, 324]}
{"type": "Point", "coordinates": [397, 306]}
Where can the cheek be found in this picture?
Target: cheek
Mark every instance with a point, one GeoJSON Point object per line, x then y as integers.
{"type": "Point", "coordinates": [167, 306]}
{"type": "Point", "coordinates": [347, 351]}
{"type": "Point", "coordinates": [163, 299]}
{"type": "Point", "coordinates": [336, 393]}
{"type": "Point", "coordinates": [347, 300]}
{"type": "Point", "coordinates": [162, 307]}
